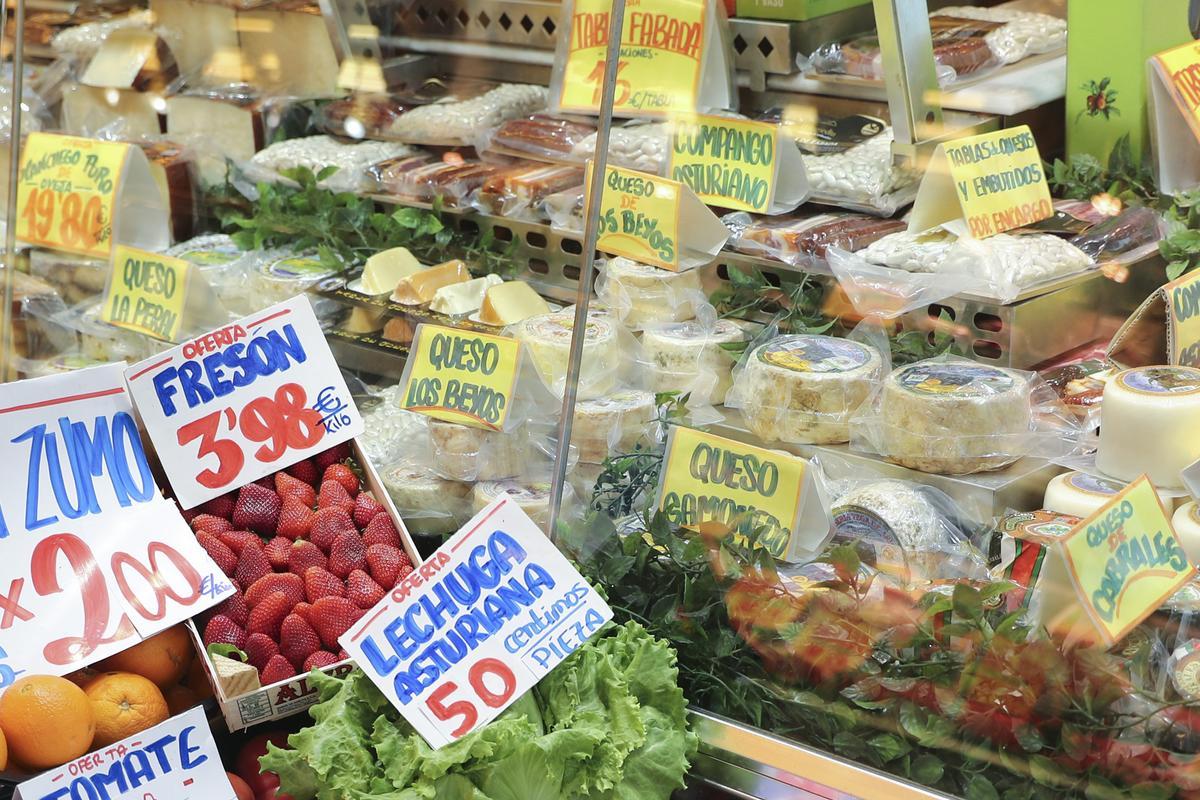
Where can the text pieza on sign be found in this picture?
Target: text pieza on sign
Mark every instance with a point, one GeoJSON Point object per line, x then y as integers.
{"type": "Point", "coordinates": [477, 625]}
{"type": "Point", "coordinates": [243, 401]}
{"type": "Point", "coordinates": [95, 559]}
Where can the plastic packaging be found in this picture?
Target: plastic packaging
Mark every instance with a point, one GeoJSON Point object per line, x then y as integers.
{"type": "Point", "coordinates": [225, 267]}
{"type": "Point", "coordinates": [81, 42]}
{"type": "Point", "coordinates": [547, 340]}
{"type": "Point", "coordinates": [531, 497]}
{"type": "Point", "coordinates": [611, 425]}
{"type": "Point", "coordinates": [862, 177]}
{"type": "Point", "coordinates": [75, 278]}
{"type": "Point", "coordinates": [275, 280]}
{"type": "Point", "coordinates": [426, 180]}
{"type": "Point", "coordinates": [463, 453]}
{"type": "Point", "coordinates": [564, 209]}
{"type": "Point", "coordinates": [1126, 238]}
{"type": "Point", "coordinates": [640, 147]}
{"type": "Point", "coordinates": [429, 504]}
{"type": "Point", "coordinates": [639, 294]}
{"type": "Point", "coordinates": [803, 240]}
{"type": "Point", "coordinates": [360, 116]}
{"type": "Point", "coordinates": [519, 193]}
{"type": "Point", "coordinates": [455, 123]}
{"type": "Point", "coordinates": [540, 137]}
{"type": "Point", "coordinates": [318, 152]}
{"type": "Point", "coordinates": [690, 357]}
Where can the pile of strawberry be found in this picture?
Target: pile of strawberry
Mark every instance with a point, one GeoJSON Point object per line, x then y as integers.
{"type": "Point", "coordinates": [309, 551]}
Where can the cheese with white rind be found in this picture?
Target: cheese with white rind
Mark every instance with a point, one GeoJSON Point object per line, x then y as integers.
{"type": "Point", "coordinates": [235, 677]}
{"type": "Point", "coordinates": [275, 281]}
{"type": "Point", "coordinates": [510, 303]}
{"type": "Point", "coordinates": [688, 357]}
{"type": "Point", "coordinates": [1186, 523]}
{"type": "Point", "coordinates": [640, 294]}
{"type": "Point", "coordinates": [1079, 494]}
{"type": "Point", "coordinates": [1150, 424]}
{"type": "Point", "coordinates": [547, 340]}
{"type": "Point", "coordinates": [955, 417]}
{"type": "Point", "coordinates": [228, 129]}
{"type": "Point", "coordinates": [611, 425]}
{"type": "Point", "coordinates": [428, 503]}
{"type": "Point", "coordinates": [463, 453]}
{"type": "Point", "coordinates": [460, 299]}
{"type": "Point", "coordinates": [532, 498]}
{"type": "Point", "coordinates": [805, 388]}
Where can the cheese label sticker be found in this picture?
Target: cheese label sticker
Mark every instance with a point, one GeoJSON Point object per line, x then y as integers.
{"type": "Point", "coordinates": [713, 484]}
{"type": "Point", "coordinates": [146, 293]}
{"type": "Point", "coordinates": [65, 193]}
{"type": "Point", "coordinates": [1181, 68]}
{"type": "Point", "coordinates": [963, 380]}
{"type": "Point", "coordinates": [461, 376]}
{"type": "Point", "coordinates": [729, 163]}
{"type": "Point", "coordinates": [1093, 485]}
{"type": "Point", "coordinates": [661, 60]}
{"type": "Point", "coordinates": [639, 217]}
{"type": "Point", "coordinates": [1183, 307]}
{"type": "Point", "coordinates": [819, 354]}
{"type": "Point", "coordinates": [996, 180]}
{"type": "Point", "coordinates": [1125, 560]}
{"type": "Point", "coordinates": [1162, 380]}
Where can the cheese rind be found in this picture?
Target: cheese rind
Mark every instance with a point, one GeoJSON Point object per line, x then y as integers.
{"type": "Point", "coordinates": [640, 294]}
{"type": "Point", "coordinates": [460, 299]}
{"type": "Point", "coordinates": [532, 498]}
{"type": "Point", "coordinates": [510, 303]}
{"type": "Point", "coordinates": [234, 677]}
{"type": "Point", "coordinates": [276, 281]}
{"type": "Point", "coordinates": [1150, 423]}
{"type": "Point", "coordinates": [547, 339]}
{"type": "Point", "coordinates": [688, 357]}
{"type": "Point", "coordinates": [384, 270]}
{"type": "Point", "coordinates": [428, 503]}
{"type": "Point", "coordinates": [420, 287]}
{"type": "Point", "coordinates": [1186, 523]}
{"type": "Point", "coordinates": [611, 424]}
{"type": "Point", "coordinates": [462, 453]}
{"type": "Point", "coordinates": [1079, 494]}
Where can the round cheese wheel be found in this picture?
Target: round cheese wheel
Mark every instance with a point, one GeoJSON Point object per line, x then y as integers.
{"type": "Point", "coordinates": [532, 498]}
{"type": "Point", "coordinates": [904, 528]}
{"type": "Point", "coordinates": [611, 424]}
{"type": "Point", "coordinates": [639, 294]}
{"type": "Point", "coordinates": [276, 281]}
{"type": "Point", "coordinates": [805, 388]}
{"type": "Point", "coordinates": [955, 417]}
{"type": "Point", "coordinates": [1186, 523]}
{"type": "Point", "coordinates": [429, 504]}
{"type": "Point", "coordinates": [464, 453]}
{"type": "Point", "coordinates": [547, 339]}
{"type": "Point", "coordinates": [687, 357]}
{"type": "Point", "coordinates": [1150, 424]}
{"type": "Point", "coordinates": [1079, 494]}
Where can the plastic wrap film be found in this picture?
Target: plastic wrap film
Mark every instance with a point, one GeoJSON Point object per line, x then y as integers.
{"type": "Point", "coordinates": [532, 498]}
{"type": "Point", "coordinates": [539, 137]}
{"type": "Point", "coordinates": [456, 123]}
{"type": "Point", "coordinates": [1127, 237]}
{"type": "Point", "coordinates": [861, 177]}
{"type": "Point", "coordinates": [75, 278]}
{"type": "Point", "coordinates": [276, 279]}
{"type": "Point", "coordinates": [611, 425]}
{"type": "Point", "coordinates": [640, 147]}
{"type": "Point", "coordinates": [425, 180]}
{"type": "Point", "coordinates": [320, 152]}
{"type": "Point", "coordinates": [607, 351]}
{"type": "Point", "coordinates": [429, 504]}
{"type": "Point", "coordinates": [804, 388]}
{"type": "Point", "coordinates": [640, 294]}
{"type": "Point", "coordinates": [81, 42]}
{"type": "Point", "coordinates": [690, 357]}
{"type": "Point", "coordinates": [225, 267]}
{"type": "Point", "coordinates": [519, 193]}
{"type": "Point", "coordinates": [463, 453]}
{"type": "Point", "coordinates": [564, 209]}
{"type": "Point", "coordinates": [803, 240]}
{"type": "Point", "coordinates": [360, 116]}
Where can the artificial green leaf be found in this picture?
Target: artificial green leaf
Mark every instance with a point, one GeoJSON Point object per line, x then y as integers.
{"type": "Point", "coordinates": [980, 788]}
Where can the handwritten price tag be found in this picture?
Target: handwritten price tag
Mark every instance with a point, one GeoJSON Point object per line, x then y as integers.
{"type": "Point", "coordinates": [726, 162]}
{"type": "Point", "coordinates": [243, 401]}
{"type": "Point", "coordinates": [500, 586]}
{"type": "Point", "coordinates": [639, 217]}
{"type": "Point", "coordinates": [95, 559]}
{"type": "Point", "coordinates": [461, 376]}
{"type": "Point", "coordinates": [146, 293]}
{"type": "Point", "coordinates": [1183, 308]}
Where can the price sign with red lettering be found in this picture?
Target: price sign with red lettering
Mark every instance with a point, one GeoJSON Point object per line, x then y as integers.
{"type": "Point", "coordinates": [498, 592]}
{"type": "Point", "coordinates": [95, 558]}
{"type": "Point", "coordinates": [243, 401]}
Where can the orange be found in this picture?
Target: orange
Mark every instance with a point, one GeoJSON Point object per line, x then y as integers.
{"type": "Point", "coordinates": [3, 753]}
{"type": "Point", "coordinates": [164, 658]}
{"type": "Point", "coordinates": [124, 704]}
{"type": "Point", "coordinates": [47, 721]}
{"type": "Point", "coordinates": [197, 680]}
{"type": "Point", "coordinates": [180, 699]}
{"type": "Point", "coordinates": [82, 677]}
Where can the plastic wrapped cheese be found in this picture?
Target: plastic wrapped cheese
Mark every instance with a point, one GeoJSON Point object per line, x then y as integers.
{"type": "Point", "coordinates": [532, 498]}
{"type": "Point", "coordinates": [464, 453]}
{"type": "Point", "coordinates": [547, 340]}
{"type": "Point", "coordinates": [275, 281]}
{"type": "Point", "coordinates": [688, 357]}
{"type": "Point", "coordinates": [1150, 423]}
{"type": "Point", "coordinates": [1186, 523]}
{"type": "Point", "coordinates": [611, 424]}
{"type": "Point", "coordinates": [428, 503]}
{"type": "Point", "coordinates": [804, 388]}
{"type": "Point", "coordinates": [640, 294]}
{"type": "Point", "coordinates": [1079, 494]}
{"type": "Point", "coordinates": [457, 122]}
{"type": "Point", "coordinates": [224, 265]}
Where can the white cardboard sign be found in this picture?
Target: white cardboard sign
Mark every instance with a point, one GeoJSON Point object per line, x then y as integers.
{"type": "Point", "coordinates": [176, 760]}
{"type": "Point", "coordinates": [477, 625]}
{"type": "Point", "coordinates": [243, 401]}
{"type": "Point", "coordinates": [94, 558]}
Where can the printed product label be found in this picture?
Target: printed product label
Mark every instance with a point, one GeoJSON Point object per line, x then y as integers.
{"type": "Point", "coordinates": [966, 380]}
{"type": "Point", "coordinates": [821, 354]}
{"type": "Point", "coordinates": [299, 267]}
{"type": "Point", "coordinates": [1185, 675]}
{"type": "Point", "coordinates": [1162, 380]}
{"type": "Point", "coordinates": [211, 258]}
{"type": "Point", "coordinates": [1093, 485]}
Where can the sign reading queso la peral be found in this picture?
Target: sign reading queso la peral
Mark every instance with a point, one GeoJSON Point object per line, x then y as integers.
{"type": "Point", "coordinates": [982, 185]}
{"type": "Point", "coordinates": [146, 293]}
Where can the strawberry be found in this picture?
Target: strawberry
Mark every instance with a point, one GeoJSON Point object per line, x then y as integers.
{"type": "Point", "coordinates": [342, 655]}
{"type": "Point", "coordinates": [252, 565]}
{"type": "Point", "coordinates": [267, 616]}
{"type": "Point", "coordinates": [303, 556]}
{"type": "Point", "coordinates": [260, 649]}
{"type": "Point", "coordinates": [381, 530]}
{"type": "Point", "coordinates": [306, 471]}
{"type": "Point", "coordinates": [292, 587]}
{"type": "Point", "coordinates": [277, 669]}
{"type": "Point", "coordinates": [362, 591]}
{"type": "Point", "coordinates": [298, 640]}
{"type": "Point", "coordinates": [257, 509]}
{"type": "Point", "coordinates": [320, 660]}
{"type": "Point", "coordinates": [219, 506]}
{"type": "Point", "coordinates": [328, 524]}
{"type": "Point", "coordinates": [405, 569]}
{"type": "Point", "coordinates": [207, 523]}
{"type": "Point", "coordinates": [343, 475]}
{"type": "Point", "coordinates": [188, 514]}
{"type": "Point", "coordinates": [347, 554]}
{"type": "Point", "coordinates": [236, 608]}
{"type": "Point", "coordinates": [334, 495]}
{"type": "Point", "coordinates": [277, 551]}
{"type": "Point", "coordinates": [302, 609]}
{"type": "Point", "coordinates": [339, 452]}
{"type": "Point", "coordinates": [238, 540]}
{"type": "Point", "coordinates": [333, 616]}
{"type": "Point", "coordinates": [365, 509]}
{"type": "Point", "coordinates": [320, 583]}
{"type": "Point", "coordinates": [383, 562]}
{"type": "Point", "coordinates": [287, 486]}
{"type": "Point", "coordinates": [222, 630]}
{"type": "Point", "coordinates": [225, 560]}
{"type": "Point", "coordinates": [295, 517]}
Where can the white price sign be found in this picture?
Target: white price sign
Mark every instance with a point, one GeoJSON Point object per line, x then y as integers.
{"type": "Point", "coordinates": [243, 401]}
{"type": "Point", "coordinates": [95, 559]}
{"type": "Point", "coordinates": [177, 759]}
{"type": "Point", "coordinates": [477, 625]}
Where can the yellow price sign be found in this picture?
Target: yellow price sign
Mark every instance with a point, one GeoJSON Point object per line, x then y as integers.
{"type": "Point", "coordinates": [639, 216]}
{"type": "Point", "coordinates": [65, 193]}
{"type": "Point", "coordinates": [1183, 307]}
{"type": "Point", "coordinates": [461, 376]}
{"type": "Point", "coordinates": [1125, 560]}
{"type": "Point", "coordinates": [662, 54]}
{"type": "Point", "coordinates": [993, 182]}
{"type": "Point", "coordinates": [716, 485]}
{"type": "Point", "coordinates": [1181, 68]}
{"type": "Point", "coordinates": [727, 162]}
{"type": "Point", "coordinates": [146, 293]}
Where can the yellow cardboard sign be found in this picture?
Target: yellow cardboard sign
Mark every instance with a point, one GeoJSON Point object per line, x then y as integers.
{"type": "Point", "coordinates": [66, 190]}
{"type": "Point", "coordinates": [1125, 560]}
{"type": "Point", "coordinates": [461, 376]}
{"type": "Point", "coordinates": [146, 293]}
{"type": "Point", "coordinates": [727, 162]}
{"type": "Point", "coordinates": [1183, 306]}
{"type": "Point", "coordinates": [1181, 68]}
{"type": "Point", "coordinates": [716, 485]}
{"type": "Point", "coordinates": [662, 49]}
{"type": "Point", "coordinates": [639, 217]}
{"type": "Point", "coordinates": [985, 184]}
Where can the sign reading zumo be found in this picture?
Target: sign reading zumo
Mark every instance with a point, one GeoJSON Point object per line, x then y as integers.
{"type": "Point", "coordinates": [982, 185]}
{"type": "Point", "coordinates": [461, 376]}
{"type": "Point", "coordinates": [727, 162]}
{"type": "Point", "coordinates": [714, 484]}
{"type": "Point", "coordinates": [1183, 308]}
{"type": "Point", "coordinates": [146, 293]}
{"type": "Point", "coordinates": [639, 217]}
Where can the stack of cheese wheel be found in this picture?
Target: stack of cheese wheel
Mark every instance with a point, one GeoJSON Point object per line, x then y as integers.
{"type": "Point", "coordinates": [688, 357]}
{"type": "Point", "coordinates": [1079, 494]}
{"type": "Point", "coordinates": [639, 294]}
{"type": "Point", "coordinates": [955, 417]}
{"type": "Point", "coordinates": [463, 453]}
{"type": "Point", "coordinates": [804, 388]}
{"type": "Point", "coordinates": [1150, 424]}
{"type": "Point", "coordinates": [547, 339]}
{"type": "Point", "coordinates": [532, 498]}
{"type": "Point", "coordinates": [611, 424]}
{"type": "Point", "coordinates": [429, 504]}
